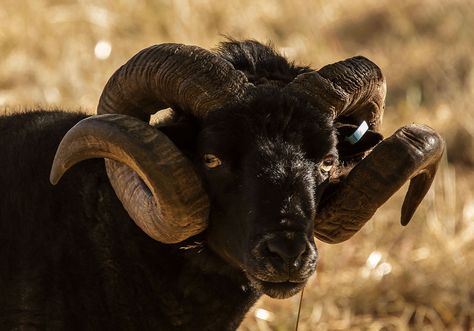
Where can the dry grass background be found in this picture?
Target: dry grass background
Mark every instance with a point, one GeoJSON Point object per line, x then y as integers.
{"type": "Point", "coordinates": [386, 277]}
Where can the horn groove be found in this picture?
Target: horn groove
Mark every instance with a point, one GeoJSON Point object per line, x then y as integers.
{"type": "Point", "coordinates": [188, 78]}
{"type": "Point", "coordinates": [411, 153]}
{"type": "Point", "coordinates": [352, 90]}
{"type": "Point", "coordinates": [167, 211]}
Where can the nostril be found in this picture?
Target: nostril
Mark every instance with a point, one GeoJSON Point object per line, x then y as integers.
{"type": "Point", "coordinates": [290, 251]}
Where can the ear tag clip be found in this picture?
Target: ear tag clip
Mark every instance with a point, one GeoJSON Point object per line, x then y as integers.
{"type": "Point", "coordinates": [358, 134]}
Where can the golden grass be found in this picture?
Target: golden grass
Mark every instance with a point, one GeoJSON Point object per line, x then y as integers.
{"type": "Point", "coordinates": [385, 278]}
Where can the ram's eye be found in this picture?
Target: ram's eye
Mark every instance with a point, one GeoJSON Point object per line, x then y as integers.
{"type": "Point", "coordinates": [212, 161]}
{"type": "Point", "coordinates": [327, 163]}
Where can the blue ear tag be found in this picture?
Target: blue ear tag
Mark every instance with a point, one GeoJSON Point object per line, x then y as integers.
{"type": "Point", "coordinates": [358, 134]}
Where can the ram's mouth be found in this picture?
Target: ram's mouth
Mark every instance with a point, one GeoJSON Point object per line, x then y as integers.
{"type": "Point", "coordinates": [277, 290]}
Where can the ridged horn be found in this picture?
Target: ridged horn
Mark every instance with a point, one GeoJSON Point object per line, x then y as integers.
{"type": "Point", "coordinates": [412, 153]}
{"type": "Point", "coordinates": [167, 210]}
{"type": "Point", "coordinates": [154, 181]}
{"type": "Point", "coordinates": [353, 90]}
{"type": "Point", "coordinates": [187, 78]}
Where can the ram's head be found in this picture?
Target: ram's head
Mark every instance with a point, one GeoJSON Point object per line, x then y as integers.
{"type": "Point", "coordinates": [261, 162]}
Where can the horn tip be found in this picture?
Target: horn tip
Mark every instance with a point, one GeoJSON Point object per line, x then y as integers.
{"type": "Point", "coordinates": [55, 175]}
{"type": "Point", "coordinates": [405, 219]}
{"type": "Point", "coordinates": [53, 180]}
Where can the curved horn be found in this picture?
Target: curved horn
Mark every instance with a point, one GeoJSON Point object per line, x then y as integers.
{"type": "Point", "coordinates": [411, 153]}
{"type": "Point", "coordinates": [188, 78]}
{"type": "Point", "coordinates": [353, 90]}
{"type": "Point", "coordinates": [168, 211]}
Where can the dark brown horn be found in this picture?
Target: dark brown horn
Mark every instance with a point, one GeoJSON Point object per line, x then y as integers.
{"type": "Point", "coordinates": [412, 153]}
{"type": "Point", "coordinates": [186, 78]}
{"type": "Point", "coordinates": [167, 210]}
{"type": "Point", "coordinates": [353, 90]}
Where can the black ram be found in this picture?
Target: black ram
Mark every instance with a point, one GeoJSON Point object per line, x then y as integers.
{"type": "Point", "coordinates": [228, 193]}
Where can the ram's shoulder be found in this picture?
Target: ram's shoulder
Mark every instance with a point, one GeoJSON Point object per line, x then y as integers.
{"type": "Point", "coordinates": [37, 120]}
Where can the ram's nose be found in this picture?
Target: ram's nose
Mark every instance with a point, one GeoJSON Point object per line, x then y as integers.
{"type": "Point", "coordinates": [288, 250]}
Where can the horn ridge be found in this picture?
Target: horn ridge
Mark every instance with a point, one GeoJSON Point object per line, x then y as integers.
{"type": "Point", "coordinates": [168, 211]}
{"type": "Point", "coordinates": [173, 75]}
{"type": "Point", "coordinates": [353, 90]}
{"type": "Point", "coordinates": [412, 153]}
{"type": "Point", "coordinates": [193, 80]}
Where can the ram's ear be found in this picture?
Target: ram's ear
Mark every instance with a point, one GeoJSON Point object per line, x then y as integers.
{"type": "Point", "coordinates": [182, 132]}
{"type": "Point", "coordinates": [349, 151]}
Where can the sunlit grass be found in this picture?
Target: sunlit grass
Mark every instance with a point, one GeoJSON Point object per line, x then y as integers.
{"type": "Point", "coordinates": [60, 54]}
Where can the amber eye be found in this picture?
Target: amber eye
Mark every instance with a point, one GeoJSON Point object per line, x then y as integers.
{"type": "Point", "coordinates": [327, 164]}
{"type": "Point", "coordinates": [212, 161]}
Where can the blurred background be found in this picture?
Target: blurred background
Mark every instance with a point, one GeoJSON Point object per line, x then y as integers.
{"type": "Point", "coordinates": [59, 54]}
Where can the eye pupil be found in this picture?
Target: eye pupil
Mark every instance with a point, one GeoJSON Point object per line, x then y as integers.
{"type": "Point", "coordinates": [327, 164]}
{"type": "Point", "coordinates": [212, 161]}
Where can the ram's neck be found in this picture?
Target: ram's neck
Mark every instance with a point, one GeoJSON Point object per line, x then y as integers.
{"type": "Point", "coordinates": [211, 289]}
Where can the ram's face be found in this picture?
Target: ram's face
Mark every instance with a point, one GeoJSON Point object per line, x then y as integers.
{"type": "Point", "coordinates": [264, 168]}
